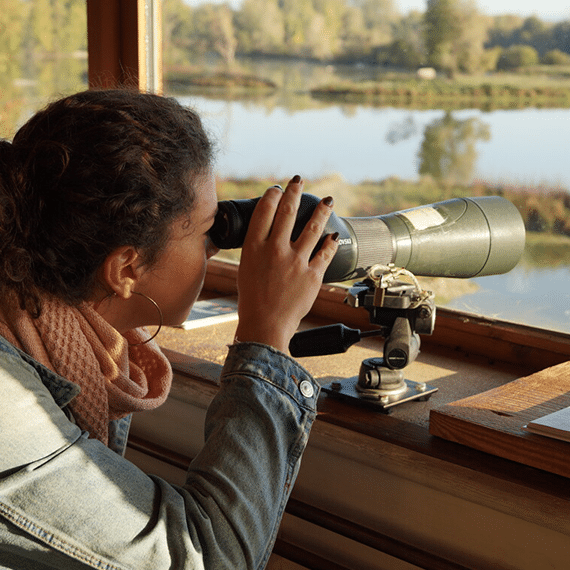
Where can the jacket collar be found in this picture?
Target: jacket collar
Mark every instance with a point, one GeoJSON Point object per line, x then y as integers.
{"type": "Point", "coordinates": [61, 390]}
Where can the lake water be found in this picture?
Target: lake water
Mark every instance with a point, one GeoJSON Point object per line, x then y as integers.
{"type": "Point", "coordinates": [528, 147]}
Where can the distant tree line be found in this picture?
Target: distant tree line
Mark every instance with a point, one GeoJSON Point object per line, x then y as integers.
{"type": "Point", "coordinates": [451, 35]}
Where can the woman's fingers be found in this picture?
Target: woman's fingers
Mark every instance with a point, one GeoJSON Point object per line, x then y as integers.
{"type": "Point", "coordinates": [286, 213]}
{"type": "Point", "coordinates": [315, 227]}
{"type": "Point", "coordinates": [276, 212]}
{"type": "Point", "coordinates": [262, 218]}
{"type": "Point", "coordinates": [278, 280]}
{"type": "Point", "coordinates": [323, 257]}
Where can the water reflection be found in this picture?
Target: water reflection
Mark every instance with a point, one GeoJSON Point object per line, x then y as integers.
{"type": "Point", "coordinates": [448, 149]}
{"type": "Point", "coordinates": [42, 55]}
{"type": "Point", "coordinates": [536, 297]}
{"type": "Point", "coordinates": [24, 89]}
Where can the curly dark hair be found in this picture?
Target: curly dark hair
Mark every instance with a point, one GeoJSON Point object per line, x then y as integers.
{"type": "Point", "coordinates": [92, 172]}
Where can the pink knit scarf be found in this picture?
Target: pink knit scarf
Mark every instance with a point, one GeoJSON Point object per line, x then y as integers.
{"type": "Point", "coordinates": [78, 344]}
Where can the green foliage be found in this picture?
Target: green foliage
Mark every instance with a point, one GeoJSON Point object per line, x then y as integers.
{"type": "Point", "coordinates": [213, 31]}
{"type": "Point", "coordinates": [490, 58]}
{"type": "Point", "coordinates": [400, 53]}
{"type": "Point", "coordinates": [517, 56]}
{"type": "Point", "coordinates": [454, 36]}
{"type": "Point", "coordinates": [555, 57]}
{"type": "Point", "coordinates": [441, 30]}
{"type": "Point", "coordinates": [55, 27]}
{"type": "Point", "coordinates": [260, 27]}
{"type": "Point", "coordinates": [508, 31]}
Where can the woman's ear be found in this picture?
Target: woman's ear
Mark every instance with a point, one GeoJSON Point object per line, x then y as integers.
{"type": "Point", "coordinates": [121, 271]}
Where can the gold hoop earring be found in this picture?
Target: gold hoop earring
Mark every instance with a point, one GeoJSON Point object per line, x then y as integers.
{"type": "Point", "coordinates": [160, 319]}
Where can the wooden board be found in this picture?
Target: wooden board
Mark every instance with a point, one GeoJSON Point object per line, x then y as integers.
{"type": "Point", "coordinates": [493, 421]}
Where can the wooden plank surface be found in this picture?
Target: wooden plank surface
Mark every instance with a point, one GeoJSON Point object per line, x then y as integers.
{"type": "Point", "coordinates": [493, 420]}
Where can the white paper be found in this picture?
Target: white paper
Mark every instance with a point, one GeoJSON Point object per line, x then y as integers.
{"type": "Point", "coordinates": [211, 311]}
{"type": "Point", "coordinates": [556, 425]}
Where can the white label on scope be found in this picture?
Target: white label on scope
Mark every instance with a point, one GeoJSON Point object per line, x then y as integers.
{"type": "Point", "coordinates": [423, 218]}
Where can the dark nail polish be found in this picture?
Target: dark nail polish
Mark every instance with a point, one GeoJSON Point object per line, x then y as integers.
{"type": "Point", "coordinates": [335, 236]}
{"type": "Point", "coordinates": [328, 201]}
{"type": "Point", "coordinates": [296, 179]}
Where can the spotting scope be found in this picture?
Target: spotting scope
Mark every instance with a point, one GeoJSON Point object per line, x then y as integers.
{"type": "Point", "coordinates": [461, 237]}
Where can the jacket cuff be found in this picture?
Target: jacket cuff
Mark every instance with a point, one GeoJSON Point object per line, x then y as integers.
{"type": "Point", "coordinates": [273, 366]}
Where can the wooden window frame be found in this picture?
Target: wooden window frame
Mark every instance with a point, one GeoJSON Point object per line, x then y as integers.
{"type": "Point", "coordinates": [123, 37]}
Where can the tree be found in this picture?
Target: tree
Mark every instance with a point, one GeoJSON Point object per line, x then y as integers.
{"type": "Point", "coordinates": [470, 45]}
{"type": "Point", "coordinates": [561, 36]}
{"type": "Point", "coordinates": [502, 29]}
{"type": "Point", "coordinates": [41, 30]}
{"type": "Point", "coordinates": [441, 30]}
{"type": "Point", "coordinates": [13, 16]}
{"type": "Point", "coordinates": [55, 28]}
{"type": "Point", "coordinates": [73, 26]}
{"type": "Point", "coordinates": [517, 56]}
{"type": "Point", "coordinates": [260, 27]}
{"type": "Point", "coordinates": [213, 31]}
{"type": "Point", "coordinates": [378, 16]}
{"type": "Point", "coordinates": [353, 33]}
{"type": "Point", "coordinates": [329, 15]}
{"type": "Point", "coordinates": [176, 32]}
{"type": "Point", "coordinates": [410, 30]}
{"type": "Point", "coordinates": [455, 35]}
{"type": "Point", "coordinates": [555, 57]}
{"type": "Point", "coordinates": [404, 54]}
{"type": "Point", "coordinates": [297, 15]}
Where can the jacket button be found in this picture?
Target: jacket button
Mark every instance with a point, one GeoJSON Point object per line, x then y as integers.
{"type": "Point", "coordinates": [307, 389]}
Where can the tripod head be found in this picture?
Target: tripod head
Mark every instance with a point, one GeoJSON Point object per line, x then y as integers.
{"type": "Point", "coordinates": [402, 311]}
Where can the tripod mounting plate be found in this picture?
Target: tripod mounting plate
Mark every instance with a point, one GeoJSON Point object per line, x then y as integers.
{"type": "Point", "coordinates": [348, 389]}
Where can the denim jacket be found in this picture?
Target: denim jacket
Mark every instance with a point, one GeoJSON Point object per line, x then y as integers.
{"type": "Point", "coordinates": [69, 502]}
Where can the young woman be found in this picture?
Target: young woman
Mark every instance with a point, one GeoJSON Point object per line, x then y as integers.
{"type": "Point", "coordinates": [106, 200]}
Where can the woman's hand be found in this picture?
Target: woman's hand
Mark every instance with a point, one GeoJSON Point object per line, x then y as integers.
{"type": "Point", "coordinates": [277, 281]}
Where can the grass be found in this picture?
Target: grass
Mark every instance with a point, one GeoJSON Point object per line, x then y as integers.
{"type": "Point", "coordinates": [188, 79]}
{"type": "Point", "coordinates": [449, 94]}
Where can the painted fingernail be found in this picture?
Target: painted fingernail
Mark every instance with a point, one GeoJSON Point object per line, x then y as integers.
{"type": "Point", "coordinates": [328, 201]}
{"type": "Point", "coordinates": [277, 186]}
{"type": "Point", "coordinates": [296, 179]}
{"type": "Point", "coordinates": [335, 236]}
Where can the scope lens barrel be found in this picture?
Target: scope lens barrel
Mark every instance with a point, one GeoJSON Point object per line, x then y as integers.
{"type": "Point", "coordinates": [461, 237]}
